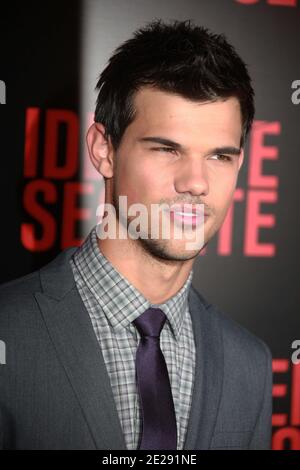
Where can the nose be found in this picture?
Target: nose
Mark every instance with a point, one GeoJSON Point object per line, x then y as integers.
{"type": "Point", "coordinates": [192, 177]}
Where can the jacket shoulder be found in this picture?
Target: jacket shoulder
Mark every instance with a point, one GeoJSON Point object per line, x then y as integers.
{"type": "Point", "coordinates": [16, 294]}
{"type": "Point", "coordinates": [236, 337]}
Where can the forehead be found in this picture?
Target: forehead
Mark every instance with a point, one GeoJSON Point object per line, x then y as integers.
{"type": "Point", "coordinates": [164, 112]}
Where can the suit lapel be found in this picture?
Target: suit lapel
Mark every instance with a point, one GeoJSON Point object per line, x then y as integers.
{"type": "Point", "coordinates": [72, 333]}
{"type": "Point", "coordinates": [208, 374]}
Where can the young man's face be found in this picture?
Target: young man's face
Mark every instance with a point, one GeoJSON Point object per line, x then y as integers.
{"type": "Point", "coordinates": [149, 172]}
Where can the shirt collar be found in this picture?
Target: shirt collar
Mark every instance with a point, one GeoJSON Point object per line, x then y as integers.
{"type": "Point", "coordinates": [120, 301]}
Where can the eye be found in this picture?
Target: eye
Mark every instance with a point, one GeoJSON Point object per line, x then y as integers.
{"type": "Point", "coordinates": [223, 158]}
{"type": "Point", "coordinates": [164, 149]}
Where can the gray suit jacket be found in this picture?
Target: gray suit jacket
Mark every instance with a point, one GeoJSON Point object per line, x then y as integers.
{"type": "Point", "coordinates": [55, 391]}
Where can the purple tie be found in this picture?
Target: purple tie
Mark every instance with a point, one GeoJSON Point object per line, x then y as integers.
{"type": "Point", "coordinates": [159, 430]}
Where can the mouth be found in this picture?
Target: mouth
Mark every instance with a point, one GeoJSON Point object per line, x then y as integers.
{"type": "Point", "coordinates": [188, 215]}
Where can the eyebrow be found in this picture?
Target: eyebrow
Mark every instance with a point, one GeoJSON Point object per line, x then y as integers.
{"type": "Point", "coordinates": [231, 150]}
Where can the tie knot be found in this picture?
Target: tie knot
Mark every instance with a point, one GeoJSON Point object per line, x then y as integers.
{"type": "Point", "coordinates": [151, 322]}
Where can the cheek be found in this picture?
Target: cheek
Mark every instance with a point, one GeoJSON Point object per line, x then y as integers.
{"type": "Point", "coordinates": [141, 183]}
{"type": "Point", "coordinates": [223, 192]}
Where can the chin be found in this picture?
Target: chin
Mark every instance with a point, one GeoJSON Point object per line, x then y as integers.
{"type": "Point", "coordinates": [162, 249]}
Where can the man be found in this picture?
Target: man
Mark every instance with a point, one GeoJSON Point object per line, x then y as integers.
{"type": "Point", "coordinates": [109, 346]}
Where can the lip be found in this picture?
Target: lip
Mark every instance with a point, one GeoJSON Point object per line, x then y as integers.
{"type": "Point", "coordinates": [192, 217]}
{"type": "Point", "coordinates": [187, 209]}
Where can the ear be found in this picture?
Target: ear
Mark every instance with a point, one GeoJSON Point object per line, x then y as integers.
{"type": "Point", "coordinates": [100, 150]}
{"type": "Point", "coordinates": [241, 158]}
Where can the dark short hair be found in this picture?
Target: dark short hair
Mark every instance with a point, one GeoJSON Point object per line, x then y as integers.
{"type": "Point", "coordinates": [177, 57]}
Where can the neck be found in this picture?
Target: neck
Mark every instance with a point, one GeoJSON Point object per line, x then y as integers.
{"type": "Point", "coordinates": [163, 278]}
